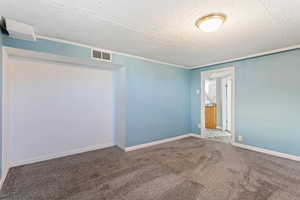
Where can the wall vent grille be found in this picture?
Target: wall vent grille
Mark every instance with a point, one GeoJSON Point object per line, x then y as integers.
{"type": "Point", "coordinates": [102, 55]}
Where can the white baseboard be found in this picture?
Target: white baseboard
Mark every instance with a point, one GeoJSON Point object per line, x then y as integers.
{"type": "Point", "coordinates": [121, 147]}
{"type": "Point", "coordinates": [140, 146]}
{"type": "Point", "coordinates": [252, 148]}
{"type": "Point", "coordinates": [3, 177]}
{"type": "Point", "coordinates": [59, 155]}
{"type": "Point", "coordinates": [196, 135]}
{"type": "Point", "coordinates": [269, 152]}
{"type": "Point", "coordinates": [132, 148]}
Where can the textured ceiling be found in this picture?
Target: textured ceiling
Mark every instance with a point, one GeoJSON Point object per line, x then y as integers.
{"type": "Point", "coordinates": [164, 30]}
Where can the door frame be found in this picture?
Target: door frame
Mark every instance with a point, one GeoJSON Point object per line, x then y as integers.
{"type": "Point", "coordinates": [202, 100]}
{"type": "Point", "coordinates": [225, 83]}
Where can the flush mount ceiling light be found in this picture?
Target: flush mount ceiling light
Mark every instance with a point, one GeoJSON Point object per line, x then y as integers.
{"type": "Point", "coordinates": [210, 23]}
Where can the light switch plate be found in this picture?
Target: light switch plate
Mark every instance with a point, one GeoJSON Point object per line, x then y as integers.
{"type": "Point", "coordinates": [199, 125]}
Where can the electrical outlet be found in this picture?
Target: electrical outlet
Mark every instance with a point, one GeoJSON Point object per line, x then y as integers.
{"type": "Point", "coordinates": [240, 138]}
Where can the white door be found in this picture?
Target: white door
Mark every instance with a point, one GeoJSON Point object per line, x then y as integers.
{"type": "Point", "coordinates": [56, 109]}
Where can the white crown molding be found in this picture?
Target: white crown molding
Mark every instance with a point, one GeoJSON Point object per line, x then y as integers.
{"type": "Point", "coordinates": [114, 52]}
{"type": "Point", "coordinates": [265, 53]}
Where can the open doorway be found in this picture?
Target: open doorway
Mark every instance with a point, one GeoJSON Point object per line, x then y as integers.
{"type": "Point", "coordinates": [217, 104]}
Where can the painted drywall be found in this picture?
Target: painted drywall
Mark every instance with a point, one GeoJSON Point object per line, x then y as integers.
{"type": "Point", "coordinates": [219, 102]}
{"type": "Point", "coordinates": [157, 100]}
{"type": "Point", "coordinates": [267, 101]}
{"type": "Point", "coordinates": [195, 106]}
{"type": "Point", "coordinates": [157, 95]}
{"type": "Point", "coordinates": [47, 46]}
{"type": "Point", "coordinates": [274, 92]}
{"type": "Point", "coordinates": [5, 135]}
{"type": "Point", "coordinates": [120, 102]}
{"type": "Point", "coordinates": [56, 108]}
{"type": "Point", "coordinates": [1, 82]}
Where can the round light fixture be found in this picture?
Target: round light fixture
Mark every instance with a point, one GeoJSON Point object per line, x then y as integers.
{"type": "Point", "coordinates": [210, 23]}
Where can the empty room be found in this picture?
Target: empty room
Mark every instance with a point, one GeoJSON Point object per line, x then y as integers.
{"type": "Point", "coordinates": [149, 100]}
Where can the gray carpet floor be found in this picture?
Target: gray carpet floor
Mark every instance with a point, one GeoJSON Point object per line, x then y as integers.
{"type": "Point", "coordinates": [187, 169]}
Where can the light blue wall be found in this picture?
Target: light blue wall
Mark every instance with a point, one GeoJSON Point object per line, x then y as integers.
{"type": "Point", "coordinates": [267, 101]}
{"type": "Point", "coordinates": [158, 100]}
{"type": "Point", "coordinates": [162, 100]}
{"type": "Point", "coordinates": [158, 95]}
{"type": "Point", "coordinates": [195, 101]}
{"type": "Point", "coordinates": [48, 46]}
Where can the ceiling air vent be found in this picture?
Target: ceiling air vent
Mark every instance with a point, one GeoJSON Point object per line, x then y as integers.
{"type": "Point", "coordinates": [102, 55]}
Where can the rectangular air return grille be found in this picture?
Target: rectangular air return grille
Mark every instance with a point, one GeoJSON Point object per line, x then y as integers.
{"type": "Point", "coordinates": [98, 54]}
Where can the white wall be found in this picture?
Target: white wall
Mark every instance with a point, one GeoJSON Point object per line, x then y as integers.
{"type": "Point", "coordinates": [5, 135]}
{"type": "Point", "coordinates": [57, 109]}
{"type": "Point", "coordinates": [210, 90]}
